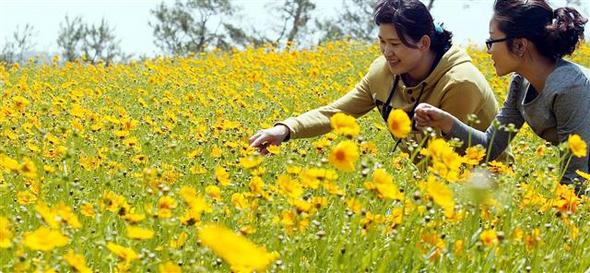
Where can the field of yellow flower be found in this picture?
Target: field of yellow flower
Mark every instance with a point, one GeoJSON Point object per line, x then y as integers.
{"type": "Point", "coordinates": [145, 167]}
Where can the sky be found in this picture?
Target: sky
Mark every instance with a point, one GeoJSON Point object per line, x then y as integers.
{"type": "Point", "coordinates": [467, 19]}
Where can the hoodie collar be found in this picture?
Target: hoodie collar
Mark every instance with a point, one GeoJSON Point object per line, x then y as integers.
{"type": "Point", "coordinates": [453, 57]}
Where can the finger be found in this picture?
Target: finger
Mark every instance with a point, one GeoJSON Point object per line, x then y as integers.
{"type": "Point", "coordinates": [431, 114]}
{"type": "Point", "coordinates": [421, 111]}
{"type": "Point", "coordinates": [421, 123]}
{"type": "Point", "coordinates": [258, 142]}
{"type": "Point", "coordinates": [252, 138]}
{"type": "Point", "coordinates": [419, 119]}
{"type": "Point", "coordinates": [421, 115]}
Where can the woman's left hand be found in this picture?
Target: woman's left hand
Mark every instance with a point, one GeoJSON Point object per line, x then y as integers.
{"type": "Point", "coordinates": [427, 115]}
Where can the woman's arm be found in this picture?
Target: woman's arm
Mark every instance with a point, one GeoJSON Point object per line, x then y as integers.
{"type": "Point", "coordinates": [498, 135]}
{"type": "Point", "coordinates": [316, 122]}
{"type": "Point", "coordinates": [357, 102]}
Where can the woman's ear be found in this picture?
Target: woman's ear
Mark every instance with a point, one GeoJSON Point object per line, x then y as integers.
{"type": "Point", "coordinates": [424, 43]}
{"type": "Point", "coordinates": [519, 46]}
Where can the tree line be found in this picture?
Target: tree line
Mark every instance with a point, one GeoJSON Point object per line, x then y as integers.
{"type": "Point", "coordinates": [192, 26]}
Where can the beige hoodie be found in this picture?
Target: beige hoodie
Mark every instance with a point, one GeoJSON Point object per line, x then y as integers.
{"type": "Point", "coordinates": [455, 85]}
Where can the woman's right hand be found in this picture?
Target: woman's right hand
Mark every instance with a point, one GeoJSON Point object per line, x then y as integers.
{"type": "Point", "coordinates": [427, 115]}
{"type": "Point", "coordinates": [271, 136]}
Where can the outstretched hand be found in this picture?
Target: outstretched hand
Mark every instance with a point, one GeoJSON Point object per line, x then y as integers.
{"type": "Point", "coordinates": [427, 115]}
{"type": "Point", "coordinates": [271, 136]}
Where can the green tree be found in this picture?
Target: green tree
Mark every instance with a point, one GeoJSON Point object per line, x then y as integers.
{"type": "Point", "coordinates": [90, 43]}
{"type": "Point", "coordinates": [101, 45]}
{"type": "Point", "coordinates": [70, 37]}
{"type": "Point", "coordinates": [294, 16]}
{"type": "Point", "coordinates": [15, 50]}
{"type": "Point", "coordinates": [353, 22]}
{"type": "Point", "coordinates": [194, 26]}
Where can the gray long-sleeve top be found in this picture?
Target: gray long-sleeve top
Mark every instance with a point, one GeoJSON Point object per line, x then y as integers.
{"type": "Point", "coordinates": [560, 109]}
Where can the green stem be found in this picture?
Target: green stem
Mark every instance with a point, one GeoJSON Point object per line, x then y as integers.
{"type": "Point", "coordinates": [564, 169]}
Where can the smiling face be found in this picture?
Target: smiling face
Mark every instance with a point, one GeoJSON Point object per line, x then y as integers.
{"type": "Point", "coordinates": [400, 58]}
{"type": "Point", "coordinates": [504, 60]}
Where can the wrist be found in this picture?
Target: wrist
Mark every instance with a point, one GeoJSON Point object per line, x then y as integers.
{"type": "Point", "coordinates": [285, 131]}
{"type": "Point", "coordinates": [447, 125]}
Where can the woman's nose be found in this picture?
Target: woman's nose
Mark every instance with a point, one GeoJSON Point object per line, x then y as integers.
{"type": "Point", "coordinates": [388, 51]}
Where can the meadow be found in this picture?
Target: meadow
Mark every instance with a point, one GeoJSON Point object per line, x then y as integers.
{"type": "Point", "coordinates": [145, 167]}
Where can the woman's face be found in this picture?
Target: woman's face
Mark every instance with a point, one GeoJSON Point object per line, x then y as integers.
{"type": "Point", "coordinates": [400, 58]}
{"type": "Point", "coordinates": [504, 60]}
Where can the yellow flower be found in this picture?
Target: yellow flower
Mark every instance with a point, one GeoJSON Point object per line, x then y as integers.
{"type": "Point", "coordinates": [458, 247]}
{"type": "Point", "coordinates": [518, 234]}
{"type": "Point", "coordinates": [87, 210]}
{"type": "Point", "coordinates": [139, 233]}
{"type": "Point", "coordinates": [583, 175]}
{"type": "Point", "coordinates": [48, 215]}
{"type": "Point", "coordinates": [5, 233]}
{"type": "Point", "coordinates": [250, 162]}
{"type": "Point", "coordinates": [169, 267]}
{"type": "Point", "coordinates": [241, 254]}
{"type": "Point", "coordinates": [344, 124]}
{"type": "Point", "coordinates": [489, 237]}
{"type": "Point", "coordinates": [139, 159]}
{"type": "Point", "coordinates": [195, 153]}
{"type": "Point", "coordinates": [194, 200]}
{"type": "Point", "coordinates": [178, 243]}
{"type": "Point", "coordinates": [222, 176]}
{"type": "Point", "coordinates": [9, 163]}
{"type": "Point", "coordinates": [239, 201]}
{"type": "Point", "coordinates": [288, 187]}
{"type": "Point", "coordinates": [126, 254]}
{"type": "Point", "coordinates": [165, 206]}
{"type": "Point", "coordinates": [344, 155]}
{"type": "Point", "coordinates": [28, 169]}
{"type": "Point", "coordinates": [213, 192]}
{"type": "Point", "coordinates": [256, 185]}
{"type": "Point", "coordinates": [197, 170]}
{"type": "Point", "coordinates": [20, 102]}
{"type": "Point", "coordinates": [274, 149]}
{"type": "Point", "coordinates": [89, 162]}
{"type": "Point", "coordinates": [473, 155]}
{"type": "Point", "coordinates": [383, 185]}
{"type": "Point", "coordinates": [216, 152]}
{"type": "Point", "coordinates": [301, 205]}
{"type": "Point", "coordinates": [114, 203]}
{"type": "Point", "coordinates": [26, 197]}
{"type": "Point", "coordinates": [67, 215]}
{"type": "Point", "coordinates": [399, 123]}
{"type": "Point", "coordinates": [441, 195]}
{"type": "Point", "coordinates": [532, 239]}
{"type": "Point", "coordinates": [499, 167]}
{"type": "Point", "coordinates": [133, 218]}
{"type": "Point", "coordinates": [334, 189]}
{"type": "Point", "coordinates": [77, 262]}
{"type": "Point", "coordinates": [44, 239]}
{"type": "Point", "coordinates": [565, 199]}
{"type": "Point", "coordinates": [577, 145]}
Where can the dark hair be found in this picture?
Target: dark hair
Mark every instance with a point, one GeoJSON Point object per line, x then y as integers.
{"type": "Point", "coordinates": [555, 33]}
{"type": "Point", "coordinates": [412, 20]}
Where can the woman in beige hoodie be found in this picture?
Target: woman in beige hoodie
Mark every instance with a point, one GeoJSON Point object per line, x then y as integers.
{"type": "Point", "coordinates": [418, 64]}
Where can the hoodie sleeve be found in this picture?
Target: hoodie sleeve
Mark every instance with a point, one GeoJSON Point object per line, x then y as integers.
{"type": "Point", "coordinates": [356, 103]}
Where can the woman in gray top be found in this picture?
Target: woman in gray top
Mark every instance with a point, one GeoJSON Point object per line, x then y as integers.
{"type": "Point", "coordinates": [552, 95]}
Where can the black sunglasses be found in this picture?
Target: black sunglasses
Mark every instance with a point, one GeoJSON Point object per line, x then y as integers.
{"type": "Point", "coordinates": [490, 42]}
